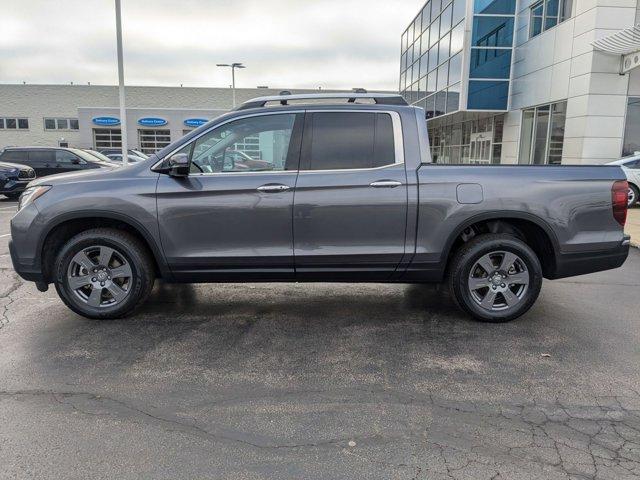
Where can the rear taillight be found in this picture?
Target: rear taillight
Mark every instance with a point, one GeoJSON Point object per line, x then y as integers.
{"type": "Point", "coordinates": [620, 200]}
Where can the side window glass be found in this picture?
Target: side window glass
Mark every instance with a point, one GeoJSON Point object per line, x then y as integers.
{"type": "Point", "coordinates": [350, 140]}
{"type": "Point", "coordinates": [15, 156]}
{"type": "Point", "coordinates": [42, 156]}
{"type": "Point", "coordinates": [635, 165]}
{"type": "Point", "coordinates": [253, 144]}
{"type": "Point", "coordinates": [62, 156]}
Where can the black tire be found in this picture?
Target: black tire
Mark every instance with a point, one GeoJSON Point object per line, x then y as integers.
{"type": "Point", "coordinates": [126, 246]}
{"type": "Point", "coordinates": [13, 195]}
{"type": "Point", "coordinates": [467, 258]}
{"type": "Point", "coordinates": [636, 195]}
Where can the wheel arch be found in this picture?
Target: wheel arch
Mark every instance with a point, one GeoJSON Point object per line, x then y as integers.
{"type": "Point", "coordinates": [66, 226]}
{"type": "Point", "coordinates": [533, 230]}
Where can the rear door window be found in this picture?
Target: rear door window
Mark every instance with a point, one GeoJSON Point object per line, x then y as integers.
{"type": "Point", "coordinates": [348, 140]}
{"type": "Point", "coordinates": [41, 157]}
{"type": "Point", "coordinates": [16, 156]}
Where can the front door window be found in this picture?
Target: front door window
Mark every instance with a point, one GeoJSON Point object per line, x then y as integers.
{"type": "Point", "coordinates": [254, 144]}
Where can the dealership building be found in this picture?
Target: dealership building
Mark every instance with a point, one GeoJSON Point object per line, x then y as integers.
{"type": "Point", "coordinates": [87, 116]}
{"type": "Point", "coordinates": [526, 81]}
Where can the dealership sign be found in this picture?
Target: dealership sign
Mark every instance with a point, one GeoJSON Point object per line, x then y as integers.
{"type": "Point", "coordinates": [195, 122]}
{"type": "Point", "coordinates": [152, 122]}
{"type": "Point", "coordinates": [106, 121]}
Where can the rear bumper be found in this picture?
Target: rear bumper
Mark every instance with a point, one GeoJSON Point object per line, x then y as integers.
{"type": "Point", "coordinates": [571, 265]}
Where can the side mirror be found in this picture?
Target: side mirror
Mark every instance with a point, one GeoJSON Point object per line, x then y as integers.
{"type": "Point", "coordinates": [179, 165]}
{"type": "Point", "coordinates": [75, 161]}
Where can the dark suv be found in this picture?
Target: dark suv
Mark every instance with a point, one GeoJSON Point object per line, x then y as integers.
{"type": "Point", "coordinates": [14, 179]}
{"type": "Point", "coordinates": [48, 161]}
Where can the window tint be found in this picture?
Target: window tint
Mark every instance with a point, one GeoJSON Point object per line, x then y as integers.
{"type": "Point", "coordinates": [251, 144]}
{"type": "Point", "coordinates": [63, 156]}
{"type": "Point", "coordinates": [15, 156]}
{"type": "Point", "coordinates": [41, 156]}
{"type": "Point", "coordinates": [344, 140]}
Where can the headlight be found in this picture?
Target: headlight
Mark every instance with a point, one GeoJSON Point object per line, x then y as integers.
{"type": "Point", "coordinates": [30, 195]}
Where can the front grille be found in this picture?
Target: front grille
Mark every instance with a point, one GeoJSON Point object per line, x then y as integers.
{"type": "Point", "coordinates": [27, 174]}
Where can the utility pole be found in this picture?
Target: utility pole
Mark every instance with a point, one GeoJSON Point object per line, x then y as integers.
{"type": "Point", "coordinates": [233, 67]}
{"type": "Point", "coordinates": [123, 112]}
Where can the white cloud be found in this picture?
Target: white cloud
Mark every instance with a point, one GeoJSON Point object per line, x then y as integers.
{"type": "Point", "coordinates": [284, 43]}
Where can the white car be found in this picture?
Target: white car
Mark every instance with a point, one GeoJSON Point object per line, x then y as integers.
{"type": "Point", "coordinates": [631, 168]}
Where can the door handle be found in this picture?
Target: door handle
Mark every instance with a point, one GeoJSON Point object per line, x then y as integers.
{"type": "Point", "coordinates": [385, 184]}
{"type": "Point", "coordinates": [273, 188]}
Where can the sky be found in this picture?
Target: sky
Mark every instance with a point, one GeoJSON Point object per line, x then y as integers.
{"type": "Point", "coordinates": [283, 43]}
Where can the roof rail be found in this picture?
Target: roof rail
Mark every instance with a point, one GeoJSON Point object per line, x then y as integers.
{"type": "Point", "coordinates": [284, 98]}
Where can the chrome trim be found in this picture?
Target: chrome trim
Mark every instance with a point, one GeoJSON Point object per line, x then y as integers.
{"type": "Point", "coordinates": [398, 141]}
{"type": "Point", "coordinates": [273, 188]}
{"type": "Point", "coordinates": [386, 184]}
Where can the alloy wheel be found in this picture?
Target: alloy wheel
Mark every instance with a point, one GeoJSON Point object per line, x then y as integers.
{"type": "Point", "coordinates": [100, 276]}
{"type": "Point", "coordinates": [498, 281]}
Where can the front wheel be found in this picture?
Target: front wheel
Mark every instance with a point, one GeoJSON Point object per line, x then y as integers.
{"type": "Point", "coordinates": [495, 278]}
{"type": "Point", "coordinates": [104, 273]}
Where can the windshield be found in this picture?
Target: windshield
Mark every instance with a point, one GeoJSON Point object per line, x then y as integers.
{"type": "Point", "coordinates": [98, 155]}
{"type": "Point", "coordinates": [88, 157]}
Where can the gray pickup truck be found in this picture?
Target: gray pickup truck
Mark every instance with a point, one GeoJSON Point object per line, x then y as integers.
{"type": "Point", "coordinates": [325, 188]}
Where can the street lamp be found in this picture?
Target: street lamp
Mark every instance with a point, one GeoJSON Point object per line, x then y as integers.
{"type": "Point", "coordinates": [233, 67]}
{"type": "Point", "coordinates": [123, 111]}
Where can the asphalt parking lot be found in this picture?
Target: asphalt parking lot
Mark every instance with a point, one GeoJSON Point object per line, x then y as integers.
{"type": "Point", "coordinates": [321, 381]}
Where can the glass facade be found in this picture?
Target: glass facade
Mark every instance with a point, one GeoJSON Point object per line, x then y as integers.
{"type": "Point", "coordinates": [472, 142]}
{"type": "Point", "coordinates": [490, 56]}
{"type": "Point", "coordinates": [431, 61]}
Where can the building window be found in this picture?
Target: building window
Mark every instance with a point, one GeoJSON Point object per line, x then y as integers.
{"type": "Point", "coordinates": [55, 123]}
{"type": "Point", "coordinates": [12, 123]}
{"type": "Point", "coordinates": [475, 142]}
{"type": "Point", "coordinates": [631, 143]}
{"type": "Point", "coordinates": [542, 138]}
{"type": "Point", "coordinates": [546, 14]}
{"type": "Point", "coordinates": [152, 140]}
{"type": "Point", "coordinates": [107, 138]}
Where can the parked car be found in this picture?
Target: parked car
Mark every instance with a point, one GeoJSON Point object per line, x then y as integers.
{"type": "Point", "coordinates": [14, 179]}
{"type": "Point", "coordinates": [352, 196]}
{"type": "Point", "coordinates": [99, 155]}
{"type": "Point", "coordinates": [118, 151]}
{"type": "Point", "coordinates": [631, 168]}
{"type": "Point", "coordinates": [48, 161]}
{"type": "Point", "coordinates": [117, 158]}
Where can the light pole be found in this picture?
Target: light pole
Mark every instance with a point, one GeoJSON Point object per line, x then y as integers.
{"type": "Point", "coordinates": [233, 67]}
{"type": "Point", "coordinates": [123, 113]}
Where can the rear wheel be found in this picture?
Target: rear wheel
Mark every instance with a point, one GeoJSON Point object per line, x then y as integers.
{"type": "Point", "coordinates": [103, 273]}
{"type": "Point", "coordinates": [634, 195]}
{"type": "Point", "coordinates": [495, 278]}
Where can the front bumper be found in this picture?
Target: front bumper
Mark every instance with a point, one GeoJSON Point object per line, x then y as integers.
{"type": "Point", "coordinates": [14, 186]}
{"type": "Point", "coordinates": [27, 271]}
{"type": "Point", "coordinates": [26, 230]}
{"type": "Point", "coordinates": [571, 265]}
